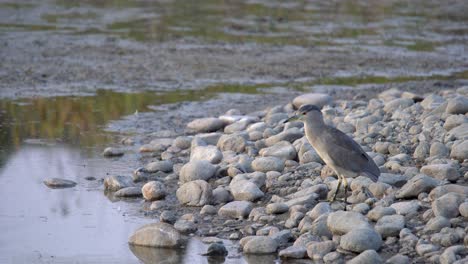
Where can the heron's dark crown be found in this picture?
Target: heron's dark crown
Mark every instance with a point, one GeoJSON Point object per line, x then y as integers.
{"type": "Point", "coordinates": [308, 108]}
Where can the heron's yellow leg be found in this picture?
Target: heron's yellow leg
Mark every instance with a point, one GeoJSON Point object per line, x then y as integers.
{"type": "Point", "coordinates": [345, 185]}
{"type": "Point", "coordinates": [337, 189]}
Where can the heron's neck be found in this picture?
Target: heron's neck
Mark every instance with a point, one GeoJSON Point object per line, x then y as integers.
{"type": "Point", "coordinates": [313, 128]}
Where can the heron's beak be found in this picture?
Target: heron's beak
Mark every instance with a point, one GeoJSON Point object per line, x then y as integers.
{"type": "Point", "coordinates": [292, 118]}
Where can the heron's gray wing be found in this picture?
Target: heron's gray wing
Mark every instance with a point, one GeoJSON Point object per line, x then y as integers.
{"type": "Point", "coordinates": [348, 154]}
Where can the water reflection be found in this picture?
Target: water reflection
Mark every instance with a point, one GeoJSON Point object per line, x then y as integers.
{"type": "Point", "coordinates": [38, 222]}
{"type": "Point", "coordinates": [149, 255]}
{"type": "Point", "coordinates": [193, 254]}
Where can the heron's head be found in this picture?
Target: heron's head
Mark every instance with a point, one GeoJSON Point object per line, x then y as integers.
{"type": "Point", "coordinates": [306, 112]}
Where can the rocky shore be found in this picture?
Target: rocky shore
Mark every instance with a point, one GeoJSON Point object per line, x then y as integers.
{"type": "Point", "coordinates": [249, 177]}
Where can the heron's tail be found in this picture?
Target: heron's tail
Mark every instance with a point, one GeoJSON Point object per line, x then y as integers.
{"type": "Point", "coordinates": [373, 176]}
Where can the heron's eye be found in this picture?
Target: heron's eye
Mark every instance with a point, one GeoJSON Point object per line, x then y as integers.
{"type": "Point", "coordinates": [304, 113]}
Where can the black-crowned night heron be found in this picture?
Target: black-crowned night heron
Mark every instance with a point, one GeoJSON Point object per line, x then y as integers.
{"type": "Point", "coordinates": [339, 151]}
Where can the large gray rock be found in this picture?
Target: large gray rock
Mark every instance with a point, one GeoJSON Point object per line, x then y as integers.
{"type": "Point", "coordinates": [185, 226]}
{"type": "Point", "coordinates": [115, 183]}
{"type": "Point", "coordinates": [432, 101]}
{"type": "Point", "coordinates": [236, 209]}
{"type": "Point", "coordinates": [457, 105]}
{"type": "Point", "coordinates": [244, 190]}
{"type": "Point", "coordinates": [453, 121]}
{"type": "Point", "coordinates": [390, 225]}
{"type": "Point", "coordinates": [439, 191]}
{"type": "Point", "coordinates": [367, 257]}
{"type": "Point", "coordinates": [399, 103]}
{"type": "Point", "coordinates": [153, 190]}
{"type": "Point", "coordinates": [157, 235]}
{"type": "Point", "coordinates": [390, 94]}
{"type": "Point", "coordinates": [157, 145]}
{"type": "Point", "coordinates": [416, 185]}
{"type": "Point", "coordinates": [463, 208]}
{"type": "Point", "coordinates": [197, 170]}
{"type": "Point", "coordinates": [447, 205]}
{"type": "Point", "coordinates": [321, 208]}
{"type": "Point", "coordinates": [59, 183]}
{"type": "Point", "coordinates": [112, 152]}
{"type": "Point", "coordinates": [221, 196]}
{"type": "Point", "coordinates": [282, 150]}
{"type": "Point", "coordinates": [294, 252]}
{"type": "Point", "coordinates": [318, 99]}
{"type": "Point", "coordinates": [232, 142]}
{"type": "Point", "coordinates": [182, 142]}
{"type": "Point", "coordinates": [441, 171]}
{"type": "Point", "coordinates": [194, 193]}
{"type": "Point", "coordinates": [260, 245]}
{"type": "Point", "coordinates": [378, 212]}
{"type": "Point", "coordinates": [439, 150]}
{"type": "Point", "coordinates": [452, 254]}
{"type": "Point", "coordinates": [277, 208]}
{"type": "Point", "coordinates": [406, 207]}
{"type": "Point", "coordinates": [393, 179]}
{"type": "Point", "coordinates": [265, 164]}
{"type": "Point", "coordinates": [216, 249]}
{"type": "Point", "coordinates": [155, 166]}
{"type": "Point", "coordinates": [316, 250]}
{"type": "Point", "coordinates": [459, 132]}
{"type": "Point", "coordinates": [437, 223]}
{"type": "Point", "coordinates": [460, 150]}
{"type": "Point", "coordinates": [361, 239]}
{"type": "Point", "coordinates": [398, 259]}
{"type": "Point", "coordinates": [208, 124]}
{"type": "Point", "coordinates": [341, 222]}
{"type": "Point", "coordinates": [128, 192]}
{"type": "Point", "coordinates": [289, 135]}
{"type": "Point", "coordinates": [209, 153]}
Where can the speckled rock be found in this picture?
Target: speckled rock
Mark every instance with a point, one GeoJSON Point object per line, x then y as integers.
{"type": "Point", "coordinates": [236, 209]}
{"type": "Point", "coordinates": [265, 164]}
{"type": "Point", "coordinates": [115, 183]}
{"type": "Point", "coordinates": [437, 223]}
{"type": "Point", "coordinates": [463, 208]}
{"type": "Point", "coordinates": [406, 207]}
{"type": "Point", "coordinates": [361, 239]}
{"type": "Point", "coordinates": [209, 153]}
{"type": "Point", "coordinates": [457, 105]}
{"type": "Point", "coordinates": [294, 252]}
{"type": "Point", "coordinates": [416, 185]}
{"type": "Point", "coordinates": [153, 190]}
{"type": "Point", "coordinates": [367, 257]}
{"type": "Point", "coordinates": [378, 212]}
{"type": "Point", "coordinates": [128, 192]}
{"type": "Point", "coordinates": [316, 250]}
{"type": "Point", "coordinates": [160, 235]}
{"type": "Point", "coordinates": [460, 150]}
{"type": "Point", "coordinates": [260, 245]}
{"type": "Point", "coordinates": [194, 193]}
{"type": "Point", "coordinates": [283, 150]}
{"type": "Point", "coordinates": [59, 183]}
{"type": "Point", "coordinates": [244, 190]}
{"type": "Point", "coordinates": [441, 171]}
{"type": "Point", "coordinates": [390, 225]}
{"type": "Point", "coordinates": [112, 152]}
{"type": "Point", "coordinates": [208, 124]}
{"type": "Point", "coordinates": [277, 208]}
{"type": "Point", "coordinates": [232, 142]}
{"type": "Point", "coordinates": [447, 205]}
{"type": "Point", "coordinates": [155, 166]}
{"type": "Point", "coordinates": [197, 170]}
{"type": "Point", "coordinates": [341, 222]}
{"type": "Point", "coordinates": [289, 135]}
